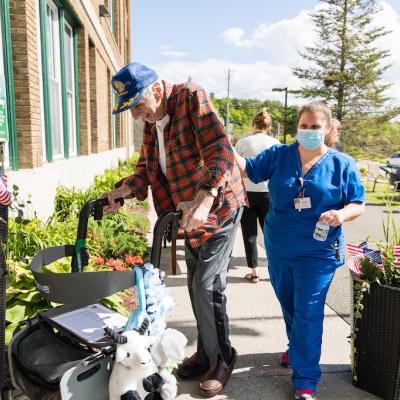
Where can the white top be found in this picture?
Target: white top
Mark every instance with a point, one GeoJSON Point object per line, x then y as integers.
{"type": "Point", "coordinates": [250, 146]}
{"type": "Point", "coordinates": [160, 125]}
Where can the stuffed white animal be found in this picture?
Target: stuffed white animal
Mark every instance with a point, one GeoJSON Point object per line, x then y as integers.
{"type": "Point", "coordinates": [167, 351]}
{"type": "Point", "coordinates": [140, 369]}
{"type": "Point", "coordinates": [133, 363]}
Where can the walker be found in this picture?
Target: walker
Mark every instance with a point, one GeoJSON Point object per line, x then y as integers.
{"type": "Point", "coordinates": [46, 360]}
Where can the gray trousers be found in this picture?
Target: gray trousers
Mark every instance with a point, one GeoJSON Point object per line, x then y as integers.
{"type": "Point", "coordinates": [207, 274]}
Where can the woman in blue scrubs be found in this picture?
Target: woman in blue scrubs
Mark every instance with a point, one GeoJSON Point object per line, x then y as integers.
{"type": "Point", "coordinates": [308, 182]}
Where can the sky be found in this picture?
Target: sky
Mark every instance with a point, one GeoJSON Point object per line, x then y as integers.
{"type": "Point", "coordinates": [258, 40]}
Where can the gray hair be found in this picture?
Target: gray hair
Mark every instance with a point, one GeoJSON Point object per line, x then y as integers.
{"type": "Point", "coordinates": [148, 92]}
{"type": "Point", "coordinates": [317, 106]}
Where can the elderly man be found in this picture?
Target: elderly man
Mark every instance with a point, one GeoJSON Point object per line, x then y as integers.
{"type": "Point", "coordinates": [188, 162]}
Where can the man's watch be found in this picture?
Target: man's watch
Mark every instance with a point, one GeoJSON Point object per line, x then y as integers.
{"type": "Point", "coordinates": [212, 191]}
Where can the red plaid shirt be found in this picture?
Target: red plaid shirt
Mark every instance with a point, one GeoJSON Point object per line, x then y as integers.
{"type": "Point", "coordinates": [198, 155]}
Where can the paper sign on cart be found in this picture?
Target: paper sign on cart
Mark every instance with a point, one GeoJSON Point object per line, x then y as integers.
{"type": "Point", "coordinates": [89, 322]}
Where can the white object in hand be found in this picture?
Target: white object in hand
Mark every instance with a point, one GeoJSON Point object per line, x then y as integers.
{"type": "Point", "coordinates": [321, 231]}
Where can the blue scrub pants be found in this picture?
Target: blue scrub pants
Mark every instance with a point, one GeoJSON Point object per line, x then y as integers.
{"type": "Point", "coordinates": [301, 288]}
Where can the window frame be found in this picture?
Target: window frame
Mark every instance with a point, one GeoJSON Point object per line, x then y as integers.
{"type": "Point", "coordinates": [59, 74]}
{"type": "Point", "coordinates": [115, 124]}
{"type": "Point", "coordinates": [9, 81]}
{"type": "Point", "coordinates": [65, 18]}
{"type": "Point", "coordinates": [111, 9]}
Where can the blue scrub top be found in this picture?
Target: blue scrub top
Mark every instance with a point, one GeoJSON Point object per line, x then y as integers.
{"type": "Point", "coordinates": [333, 182]}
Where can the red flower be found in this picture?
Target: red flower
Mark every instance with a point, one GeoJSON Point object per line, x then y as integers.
{"type": "Point", "coordinates": [99, 261]}
{"type": "Point", "coordinates": [118, 265]}
{"type": "Point", "coordinates": [133, 260]}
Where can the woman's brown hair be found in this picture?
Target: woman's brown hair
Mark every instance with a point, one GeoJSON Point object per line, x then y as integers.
{"type": "Point", "coordinates": [318, 106]}
{"type": "Point", "coordinates": [263, 120]}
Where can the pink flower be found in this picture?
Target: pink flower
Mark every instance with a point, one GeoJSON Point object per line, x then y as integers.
{"type": "Point", "coordinates": [99, 261]}
{"type": "Point", "coordinates": [133, 260]}
{"type": "Point", "coordinates": [118, 265]}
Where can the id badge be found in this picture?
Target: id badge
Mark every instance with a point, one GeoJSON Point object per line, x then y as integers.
{"type": "Point", "coordinates": [301, 203]}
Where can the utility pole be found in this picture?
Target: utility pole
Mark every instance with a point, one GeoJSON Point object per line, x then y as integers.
{"type": "Point", "coordinates": [285, 89]}
{"type": "Point", "coordinates": [285, 110]}
{"type": "Point", "coordinates": [285, 118]}
{"type": "Point", "coordinates": [227, 104]}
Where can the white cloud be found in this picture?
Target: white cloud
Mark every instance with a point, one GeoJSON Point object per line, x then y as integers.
{"type": "Point", "coordinates": [279, 41]}
{"type": "Point", "coordinates": [234, 37]}
{"type": "Point", "coordinates": [247, 80]}
{"type": "Point", "coordinates": [390, 19]}
{"type": "Point", "coordinates": [277, 45]}
{"type": "Point", "coordinates": [173, 53]}
{"type": "Point", "coordinates": [168, 50]}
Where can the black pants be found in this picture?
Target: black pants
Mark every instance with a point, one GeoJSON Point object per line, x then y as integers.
{"type": "Point", "coordinates": [257, 210]}
{"type": "Point", "coordinates": [207, 275]}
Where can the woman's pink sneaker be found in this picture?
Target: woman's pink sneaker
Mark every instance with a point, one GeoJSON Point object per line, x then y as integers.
{"type": "Point", "coordinates": [305, 394]}
{"type": "Point", "coordinates": [285, 360]}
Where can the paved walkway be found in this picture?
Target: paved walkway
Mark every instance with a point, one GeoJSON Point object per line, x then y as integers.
{"type": "Point", "coordinates": [257, 332]}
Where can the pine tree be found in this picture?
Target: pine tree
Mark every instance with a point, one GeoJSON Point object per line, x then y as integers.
{"type": "Point", "coordinates": [345, 64]}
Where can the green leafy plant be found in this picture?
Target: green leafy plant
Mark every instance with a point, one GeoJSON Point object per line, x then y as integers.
{"type": "Point", "coordinates": [386, 274]}
{"type": "Point", "coordinates": [118, 238]}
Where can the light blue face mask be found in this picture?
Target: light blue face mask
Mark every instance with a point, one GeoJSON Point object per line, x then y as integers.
{"type": "Point", "coordinates": [310, 139]}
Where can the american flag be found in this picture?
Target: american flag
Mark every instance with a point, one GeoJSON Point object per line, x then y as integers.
{"type": "Point", "coordinates": [354, 263]}
{"type": "Point", "coordinates": [374, 255]}
{"type": "Point", "coordinates": [396, 254]}
{"type": "Point", "coordinates": [5, 197]}
{"type": "Point", "coordinates": [355, 250]}
{"type": "Point", "coordinates": [358, 252]}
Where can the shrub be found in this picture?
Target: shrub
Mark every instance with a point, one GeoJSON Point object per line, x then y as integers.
{"type": "Point", "coordinates": [119, 239]}
{"type": "Point", "coordinates": [69, 201]}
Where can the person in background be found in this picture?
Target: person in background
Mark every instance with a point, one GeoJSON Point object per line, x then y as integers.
{"type": "Point", "coordinates": [187, 161]}
{"type": "Point", "coordinates": [257, 194]}
{"type": "Point", "coordinates": [314, 190]}
{"type": "Point", "coordinates": [332, 139]}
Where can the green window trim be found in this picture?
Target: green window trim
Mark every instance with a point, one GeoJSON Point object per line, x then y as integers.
{"type": "Point", "coordinates": [65, 14]}
{"type": "Point", "coordinates": [45, 80]}
{"type": "Point", "coordinates": [9, 78]}
{"type": "Point", "coordinates": [77, 115]}
{"type": "Point", "coordinates": [61, 26]}
{"type": "Point", "coordinates": [115, 125]}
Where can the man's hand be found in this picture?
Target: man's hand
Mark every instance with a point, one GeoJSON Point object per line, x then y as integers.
{"type": "Point", "coordinates": [113, 206]}
{"type": "Point", "coordinates": [195, 212]}
{"type": "Point", "coordinates": [332, 217]}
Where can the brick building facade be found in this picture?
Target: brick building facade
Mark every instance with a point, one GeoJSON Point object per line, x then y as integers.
{"type": "Point", "coordinates": [59, 57]}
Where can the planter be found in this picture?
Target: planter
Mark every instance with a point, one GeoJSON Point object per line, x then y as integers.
{"type": "Point", "coordinates": [377, 343]}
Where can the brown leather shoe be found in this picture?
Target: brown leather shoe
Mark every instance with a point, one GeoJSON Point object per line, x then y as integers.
{"type": "Point", "coordinates": [193, 367]}
{"type": "Point", "coordinates": [216, 379]}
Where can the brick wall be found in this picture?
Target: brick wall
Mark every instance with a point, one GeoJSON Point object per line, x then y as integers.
{"type": "Point", "coordinates": [107, 53]}
{"type": "Point", "coordinates": [25, 50]}
{"type": "Point", "coordinates": [100, 110]}
{"type": "Point", "coordinates": [84, 91]}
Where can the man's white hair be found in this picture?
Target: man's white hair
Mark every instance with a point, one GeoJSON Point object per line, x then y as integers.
{"type": "Point", "coordinates": [148, 92]}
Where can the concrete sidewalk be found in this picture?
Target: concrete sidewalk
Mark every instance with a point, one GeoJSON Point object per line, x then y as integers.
{"type": "Point", "coordinates": [258, 334]}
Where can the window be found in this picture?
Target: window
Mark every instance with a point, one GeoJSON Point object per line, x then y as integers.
{"type": "Point", "coordinates": [54, 76]}
{"type": "Point", "coordinates": [59, 82]}
{"type": "Point", "coordinates": [7, 101]}
{"type": "Point", "coordinates": [111, 8]}
{"type": "Point", "coordinates": [115, 124]}
{"type": "Point", "coordinates": [70, 87]}
{"type": "Point", "coordinates": [3, 102]}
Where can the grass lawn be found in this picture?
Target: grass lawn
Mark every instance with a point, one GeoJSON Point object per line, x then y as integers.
{"type": "Point", "coordinates": [383, 193]}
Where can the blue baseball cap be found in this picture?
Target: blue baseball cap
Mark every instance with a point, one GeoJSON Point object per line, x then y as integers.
{"type": "Point", "coordinates": [129, 84]}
